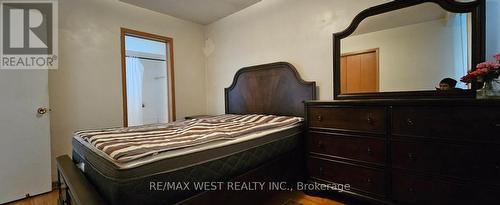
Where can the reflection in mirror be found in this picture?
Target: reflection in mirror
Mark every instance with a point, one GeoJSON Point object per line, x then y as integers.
{"type": "Point", "coordinates": [410, 49]}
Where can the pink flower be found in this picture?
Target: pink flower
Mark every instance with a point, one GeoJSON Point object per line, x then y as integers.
{"type": "Point", "coordinates": [468, 78]}
{"type": "Point", "coordinates": [483, 65]}
{"type": "Point", "coordinates": [483, 70]}
{"type": "Point", "coordinates": [497, 56]}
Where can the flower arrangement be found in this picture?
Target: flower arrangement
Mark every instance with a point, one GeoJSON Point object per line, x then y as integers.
{"type": "Point", "coordinates": [485, 72]}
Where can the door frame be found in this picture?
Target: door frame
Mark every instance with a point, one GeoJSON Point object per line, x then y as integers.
{"type": "Point", "coordinates": [169, 66]}
{"type": "Point", "coordinates": [377, 70]}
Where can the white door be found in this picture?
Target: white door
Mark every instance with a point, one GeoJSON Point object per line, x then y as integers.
{"type": "Point", "coordinates": [24, 134]}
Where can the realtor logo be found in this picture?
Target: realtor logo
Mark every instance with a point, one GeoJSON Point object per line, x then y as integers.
{"type": "Point", "coordinates": [29, 34]}
{"type": "Point", "coordinates": [29, 28]}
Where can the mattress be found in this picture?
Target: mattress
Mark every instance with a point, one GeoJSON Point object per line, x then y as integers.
{"type": "Point", "coordinates": [127, 183]}
{"type": "Point", "coordinates": [127, 147]}
{"type": "Point", "coordinates": [180, 158]}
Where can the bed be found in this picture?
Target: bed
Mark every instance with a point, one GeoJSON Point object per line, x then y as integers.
{"type": "Point", "coordinates": [262, 128]}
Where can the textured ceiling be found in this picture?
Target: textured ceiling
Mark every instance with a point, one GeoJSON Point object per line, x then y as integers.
{"type": "Point", "coordinates": [198, 11]}
{"type": "Point", "coordinates": [407, 16]}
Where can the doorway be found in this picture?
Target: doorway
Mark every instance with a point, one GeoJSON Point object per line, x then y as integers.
{"type": "Point", "coordinates": [147, 78]}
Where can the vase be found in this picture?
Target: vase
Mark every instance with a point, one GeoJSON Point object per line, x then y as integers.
{"type": "Point", "coordinates": [490, 90]}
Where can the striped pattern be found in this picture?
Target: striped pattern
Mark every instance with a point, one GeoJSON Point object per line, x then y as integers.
{"type": "Point", "coordinates": [127, 144]}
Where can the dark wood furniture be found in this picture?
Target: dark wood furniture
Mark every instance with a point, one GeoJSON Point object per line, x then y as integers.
{"type": "Point", "coordinates": [196, 117]}
{"type": "Point", "coordinates": [274, 88]}
{"type": "Point", "coordinates": [73, 187]}
{"type": "Point", "coordinates": [407, 151]}
{"type": "Point", "coordinates": [478, 14]}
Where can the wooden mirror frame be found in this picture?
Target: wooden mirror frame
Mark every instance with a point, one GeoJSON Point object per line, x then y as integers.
{"type": "Point", "coordinates": [478, 14]}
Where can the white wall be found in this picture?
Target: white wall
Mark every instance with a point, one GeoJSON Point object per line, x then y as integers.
{"type": "Point", "coordinates": [492, 28]}
{"type": "Point", "coordinates": [297, 31]}
{"type": "Point", "coordinates": [141, 45]}
{"type": "Point", "coordinates": [86, 90]}
{"type": "Point", "coordinates": [413, 57]}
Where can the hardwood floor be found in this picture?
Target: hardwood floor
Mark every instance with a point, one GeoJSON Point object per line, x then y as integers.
{"type": "Point", "coordinates": [262, 198]}
{"type": "Point", "coordinates": [276, 198]}
{"type": "Point", "coordinates": [42, 199]}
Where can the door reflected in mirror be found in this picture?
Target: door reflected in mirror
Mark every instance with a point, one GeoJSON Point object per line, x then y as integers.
{"type": "Point", "coordinates": [410, 49]}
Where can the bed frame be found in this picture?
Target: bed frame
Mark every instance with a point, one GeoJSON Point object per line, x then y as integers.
{"type": "Point", "coordinates": [274, 88]}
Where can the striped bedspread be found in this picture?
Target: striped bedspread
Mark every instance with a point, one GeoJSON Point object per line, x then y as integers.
{"type": "Point", "coordinates": [127, 144]}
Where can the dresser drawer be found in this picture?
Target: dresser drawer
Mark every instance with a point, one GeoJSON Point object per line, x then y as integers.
{"type": "Point", "coordinates": [415, 156]}
{"type": "Point", "coordinates": [468, 123]}
{"type": "Point", "coordinates": [362, 119]}
{"type": "Point", "coordinates": [411, 189]}
{"type": "Point", "coordinates": [354, 148]}
{"type": "Point", "coordinates": [360, 178]}
{"type": "Point", "coordinates": [477, 162]}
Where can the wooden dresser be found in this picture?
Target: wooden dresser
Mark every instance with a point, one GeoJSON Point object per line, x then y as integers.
{"type": "Point", "coordinates": [407, 151]}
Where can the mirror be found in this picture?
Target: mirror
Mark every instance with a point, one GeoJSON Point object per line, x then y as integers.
{"type": "Point", "coordinates": [405, 49]}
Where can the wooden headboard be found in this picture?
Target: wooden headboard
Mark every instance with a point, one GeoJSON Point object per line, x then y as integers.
{"type": "Point", "coordinates": [274, 89]}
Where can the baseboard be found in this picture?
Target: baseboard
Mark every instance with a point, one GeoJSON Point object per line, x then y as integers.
{"type": "Point", "coordinates": [55, 185]}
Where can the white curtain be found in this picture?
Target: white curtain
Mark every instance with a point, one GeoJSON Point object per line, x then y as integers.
{"type": "Point", "coordinates": [135, 73]}
{"type": "Point", "coordinates": [461, 42]}
{"type": "Point", "coordinates": [465, 42]}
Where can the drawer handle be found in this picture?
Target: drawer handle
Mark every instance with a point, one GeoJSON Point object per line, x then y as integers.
{"type": "Point", "coordinates": [369, 150]}
{"type": "Point", "coordinates": [497, 125]}
{"type": "Point", "coordinates": [369, 180]}
{"type": "Point", "coordinates": [319, 118]}
{"type": "Point", "coordinates": [370, 120]}
{"type": "Point", "coordinates": [411, 156]}
{"type": "Point", "coordinates": [321, 145]}
{"type": "Point", "coordinates": [409, 122]}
